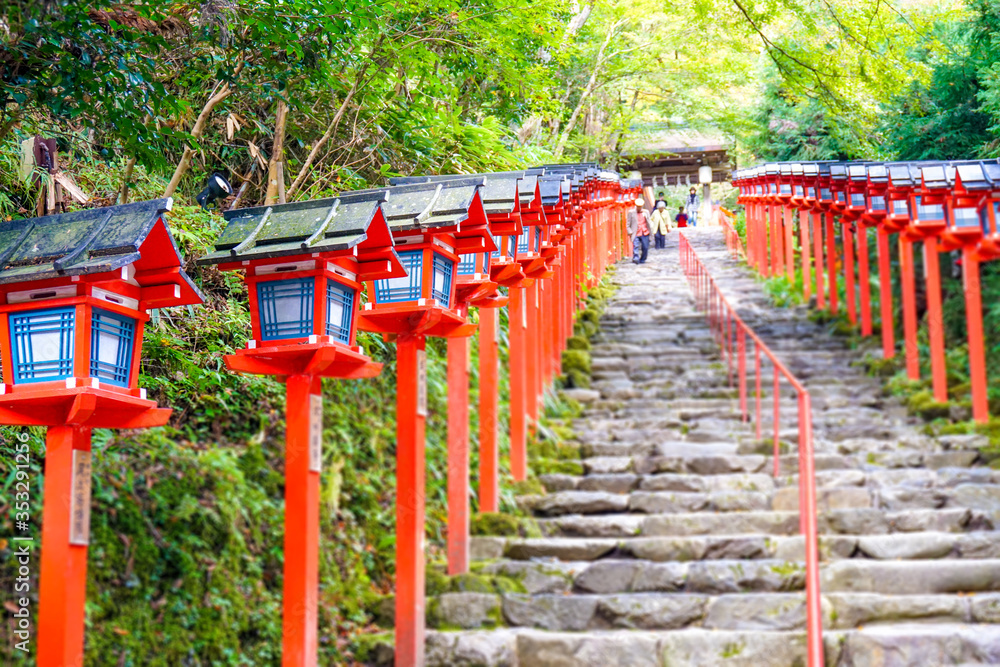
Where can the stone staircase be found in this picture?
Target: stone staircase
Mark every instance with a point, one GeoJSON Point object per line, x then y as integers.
{"type": "Point", "coordinates": [677, 546]}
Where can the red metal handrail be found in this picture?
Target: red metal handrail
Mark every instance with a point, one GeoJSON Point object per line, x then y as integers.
{"type": "Point", "coordinates": [726, 325]}
{"type": "Point", "coordinates": [733, 240]}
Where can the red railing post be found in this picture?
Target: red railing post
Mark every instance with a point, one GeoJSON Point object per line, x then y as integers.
{"type": "Point", "coordinates": [807, 509]}
{"type": "Point", "coordinates": [741, 344]}
{"type": "Point", "coordinates": [757, 371]}
{"type": "Point", "coordinates": [777, 417]}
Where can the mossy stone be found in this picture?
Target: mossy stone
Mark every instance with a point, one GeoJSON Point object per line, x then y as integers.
{"type": "Point", "coordinates": [494, 524]}
{"type": "Point", "coordinates": [554, 466]}
{"type": "Point", "coordinates": [578, 343]}
{"type": "Point", "coordinates": [568, 452]}
{"type": "Point", "coordinates": [542, 449]}
{"type": "Point", "coordinates": [505, 584]}
{"type": "Point", "coordinates": [374, 649]}
{"type": "Point", "coordinates": [471, 583]}
{"type": "Point", "coordinates": [528, 487]}
{"type": "Point", "coordinates": [436, 582]}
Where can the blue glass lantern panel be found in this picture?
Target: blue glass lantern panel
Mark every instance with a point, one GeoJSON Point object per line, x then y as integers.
{"type": "Point", "coordinates": [441, 289]}
{"type": "Point", "coordinates": [811, 193]}
{"type": "Point", "coordinates": [900, 207]}
{"type": "Point", "coordinates": [876, 203]}
{"type": "Point", "coordinates": [799, 192]}
{"type": "Point", "coordinates": [286, 308]}
{"type": "Point", "coordinates": [825, 195]}
{"type": "Point", "coordinates": [524, 240]}
{"type": "Point", "coordinates": [968, 217]}
{"type": "Point", "coordinates": [339, 311]}
{"type": "Point", "coordinates": [929, 212]}
{"type": "Point", "coordinates": [111, 338]}
{"type": "Point", "coordinates": [858, 200]}
{"type": "Point", "coordinates": [404, 288]}
{"type": "Point", "coordinates": [786, 189]}
{"type": "Point", "coordinates": [42, 343]}
{"type": "Point", "coordinates": [496, 242]}
{"type": "Point", "coordinates": [467, 265]}
{"type": "Point", "coordinates": [996, 220]}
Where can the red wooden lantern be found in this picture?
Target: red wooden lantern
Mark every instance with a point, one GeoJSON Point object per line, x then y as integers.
{"type": "Point", "coordinates": [927, 222]}
{"type": "Point", "coordinates": [304, 265]}
{"type": "Point", "coordinates": [475, 286]}
{"type": "Point", "coordinates": [904, 177]}
{"type": "Point", "coordinates": [432, 224]}
{"type": "Point", "coordinates": [989, 247]}
{"type": "Point", "coordinates": [74, 294]}
{"type": "Point", "coordinates": [972, 217]}
{"type": "Point", "coordinates": [876, 212]}
{"type": "Point", "coordinates": [856, 205]}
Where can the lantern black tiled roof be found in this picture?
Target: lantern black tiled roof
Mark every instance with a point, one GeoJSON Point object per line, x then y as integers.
{"type": "Point", "coordinates": [432, 204]}
{"type": "Point", "coordinates": [552, 186]}
{"type": "Point", "coordinates": [500, 189]}
{"type": "Point", "coordinates": [83, 242]}
{"type": "Point", "coordinates": [321, 225]}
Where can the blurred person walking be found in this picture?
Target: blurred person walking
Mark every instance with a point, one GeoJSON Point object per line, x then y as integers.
{"type": "Point", "coordinates": [661, 225]}
{"type": "Point", "coordinates": [692, 203]}
{"type": "Point", "coordinates": [639, 230]}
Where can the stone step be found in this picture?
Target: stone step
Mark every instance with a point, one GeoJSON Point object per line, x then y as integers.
{"type": "Point", "coordinates": [637, 576]}
{"type": "Point", "coordinates": [866, 521]}
{"type": "Point", "coordinates": [892, 645]}
{"type": "Point", "coordinates": [615, 475]}
{"type": "Point", "coordinates": [898, 546]}
{"type": "Point", "coordinates": [622, 498]}
{"type": "Point", "coordinates": [670, 611]}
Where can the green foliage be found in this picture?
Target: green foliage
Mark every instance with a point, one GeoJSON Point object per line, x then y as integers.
{"type": "Point", "coordinates": [783, 127]}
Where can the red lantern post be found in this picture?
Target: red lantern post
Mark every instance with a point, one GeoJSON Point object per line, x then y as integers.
{"type": "Point", "coordinates": [972, 216]}
{"type": "Point", "coordinates": [876, 211]}
{"type": "Point", "coordinates": [857, 206]}
{"type": "Point", "coordinates": [75, 291]}
{"type": "Point", "coordinates": [838, 207]}
{"type": "Point", "coordinates": [432, 224]}
{"type": "Point", "coordinates": [927, 222]}
{"type": "Point", "coordinates": [798, 203]}
{"type": "Point", "coordinates": [304, 264]}
{"type": "Point", "coordinates": [903, 178]}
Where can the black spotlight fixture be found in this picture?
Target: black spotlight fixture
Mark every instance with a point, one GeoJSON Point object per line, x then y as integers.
{"type": "Point", "coordinates": [217, 188]}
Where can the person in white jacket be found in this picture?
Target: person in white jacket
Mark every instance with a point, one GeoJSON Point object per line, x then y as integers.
{"type": "Point", "coordinates": [661, 225]}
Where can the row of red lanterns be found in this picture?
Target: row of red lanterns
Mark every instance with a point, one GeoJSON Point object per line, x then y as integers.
{"type": "Point", "coordinates": [75, 290]}
{"type": "Point", "coordinates": [946, 206]}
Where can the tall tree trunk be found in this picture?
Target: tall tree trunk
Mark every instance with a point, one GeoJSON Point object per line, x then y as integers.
{"type": "Point", "coordinates": [126, 179]}
{"type": "Point", "coordinates": [199, 128]}
{"type": "Point", "coordinates": [587, 91]}
{"type": "Point", "coordinates": [619, 134]}
{"type": "Point", "coordinates": [335, 123]}
{"type": "Point", "coordinates": [577, 22]}
{"type": "Point", "coordinates": [274, 167]}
